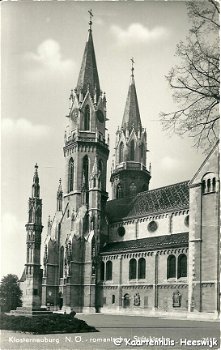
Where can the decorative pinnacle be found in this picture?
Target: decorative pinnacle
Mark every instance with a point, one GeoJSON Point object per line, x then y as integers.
{"type": "Point", "coordinates": [90, 22]}
{"type": "Point", "coordinates": [59, 191]}
{"type": "Point", "coordinates": [59, 186]}
{"type": "Point", "coordinates": [132, 66]}
{"type": "Point", "coordinates": [35, 178]}
{"type": "Point", "coordinates": [35, 184]}
{"type": "Point", "coordinates": [71, 96]}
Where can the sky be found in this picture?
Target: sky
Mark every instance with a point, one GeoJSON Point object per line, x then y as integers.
{"type": "Point", "coordinates": [42, 49]}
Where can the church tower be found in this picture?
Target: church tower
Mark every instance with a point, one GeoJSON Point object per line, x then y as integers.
{"type": "Point", "coordinates": [129, 175]}
{"type": "Point", "coordinates": [31, 285]}
{"type": "Point", "coordinates": [85, 138]}
{"type": "Point", "coordinates": [84, 194]}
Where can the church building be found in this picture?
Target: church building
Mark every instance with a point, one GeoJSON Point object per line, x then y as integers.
{"type": "Point", "coordinates": [144, 251]}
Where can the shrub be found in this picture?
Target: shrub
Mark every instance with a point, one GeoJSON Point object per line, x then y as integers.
{"type": "Point", "coordinates": [45, 324]}
{"type": "Point", "coordinates": [10, 293]}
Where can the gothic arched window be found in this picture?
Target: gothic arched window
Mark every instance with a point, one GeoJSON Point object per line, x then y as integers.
{"type": "Point", "coordinates": [132, 269]}
{"type": "Point", "coordinates": [85, 172]}
{"type": "Point", "coordinates": [70, 175]}
{"type": "Point", "coordinates": [87, 118]}
{"type": "Point", "coordinates": [86, 220]}
{"type": "Point", "coordinates": [132, 153]}
{"type": "Point", "coordinates": [119, 191]}
{"type": "Point", "coordinates": [109, 270]}
{"type": "Point", "coordinates": [182, 266]}
{"type": "Point", "coordinates": [101, 168]}
{"type": "Point", "coordinates": [171, 266]}
{"type": "Point", "coordinates": [102, 271]}
{"type": "Point", "coordinates": [93, 254]}
{"type": "Point", "coordinates": [141, 268]}
{"type": "Point", "coordinates": [121, 152]}
{"type": "Point", "coordinates": [133, 189]}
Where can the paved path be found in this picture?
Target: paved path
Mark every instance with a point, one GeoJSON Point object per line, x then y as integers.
{"type": "Point", "coordinates": [123, 332]}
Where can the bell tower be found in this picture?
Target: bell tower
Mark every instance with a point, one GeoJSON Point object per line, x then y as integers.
{"type": "Point", "coordinates": [85, 134]}
{"type": "Point", "coordinates": [86, 152]}
{"type": "Point", "coordinates": [129, 175]}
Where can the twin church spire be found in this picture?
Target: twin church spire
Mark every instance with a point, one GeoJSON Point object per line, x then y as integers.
{"type": "Point", "coordinates": [88, 113]}
{"type": "Point", "coordinates": [88, 78]}
{"type": "Point", "coordinates": [131, 117]}
{"type": "Point", "coordinates": [129, 175]}
{"type": "Point", "coordinates": [85, 136]}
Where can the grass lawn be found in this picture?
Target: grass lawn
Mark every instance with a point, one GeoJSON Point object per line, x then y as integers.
{"type": "Point", "coordinates": [45, 324]}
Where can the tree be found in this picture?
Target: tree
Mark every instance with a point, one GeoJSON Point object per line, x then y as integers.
{"type": "Point", "coordinates": [10, 293]}
{"type": "Point", "coordinates": [195, 81]}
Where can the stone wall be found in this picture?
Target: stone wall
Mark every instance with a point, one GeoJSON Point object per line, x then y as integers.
{"type": "Point", "coordinates": [167, 223]}
{"type": "Point", "coordinates": [204, 237]}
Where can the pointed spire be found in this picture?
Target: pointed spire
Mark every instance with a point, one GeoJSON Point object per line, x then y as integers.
{"type": "Point", "coordinates": [88, 76]}
{"type": "Point", "coordinates": [59, 191]}
{"type": "Point", "coordinates": [150, 168]}
{"type": "Point", "coordinates": [49, 225]}
{"type": "Point", "coordinates": [71, 99]}
{"type": "Point", "coordinates": [131, 116]}
{"type": "Point", "coordinates": [59, 197]}
{"type": "Point", "coordinates": [35, 185]}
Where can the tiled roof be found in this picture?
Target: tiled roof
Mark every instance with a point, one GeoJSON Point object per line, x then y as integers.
{"type": "Point", "coordinates": [159, 200]}
{"type": "Point", "coordinates": [117, 209]}
{"type": "Point", "coordinates": [147, 244]}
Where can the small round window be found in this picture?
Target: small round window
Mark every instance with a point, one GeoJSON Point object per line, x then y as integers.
{"type": "Point", "coordinates": [152, 226]}
{"type": "Point", "coordinates": [186, 221]}
{"type": "Point", "coordinates": [121, 231]}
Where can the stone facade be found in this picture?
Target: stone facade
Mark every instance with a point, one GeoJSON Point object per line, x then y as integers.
{"type": "Point", "coordinates": [144, 251]}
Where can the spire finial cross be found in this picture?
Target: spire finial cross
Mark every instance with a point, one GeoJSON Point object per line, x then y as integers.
{"type": "Point", "coordinates": [132, 67]}
{"type": "Point", "coordinates": [91, 15]}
